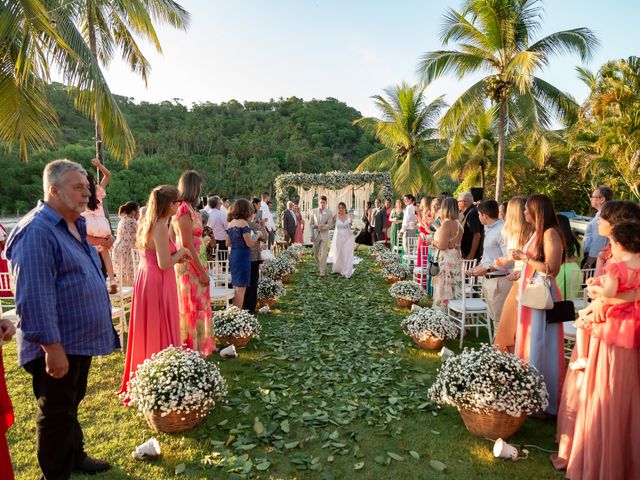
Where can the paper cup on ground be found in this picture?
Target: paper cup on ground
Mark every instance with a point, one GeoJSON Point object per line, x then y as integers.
{"type": "Point", "coordinates": [446, 353]}
{"type": "Point", "coordinates": [502, 449]}
{"type": "Point", "coordinates": [228, 352]}
{"type": "Point", "coordinates": [149, 450]}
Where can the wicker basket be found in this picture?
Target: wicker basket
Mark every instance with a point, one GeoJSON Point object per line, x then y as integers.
{"type": "Point", "coordinates": [238, 342]}
{"type": "Point", "coordinates": [492, 425]}
{"type": "Point", "coordinates": [270, 302]}
{"type": "Point", "coordinates": [404, 302]}
{"type": "Point", "coordinates": [175, 422]}
{"type": "Point", "coordinates": [429, 343]}
{"type": "Point", "coordinates": [285, 278]}
{"type": "Point", "coordinates": [393, 279]}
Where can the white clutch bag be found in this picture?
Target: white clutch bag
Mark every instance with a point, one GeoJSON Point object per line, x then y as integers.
{"type": "Point", "coordinates": [538, 294]}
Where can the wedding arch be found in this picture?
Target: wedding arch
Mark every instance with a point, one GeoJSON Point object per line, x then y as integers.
{"type": "Point", "coordinates": [354, 189]}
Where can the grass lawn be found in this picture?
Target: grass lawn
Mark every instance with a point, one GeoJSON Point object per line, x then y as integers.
{"type": "Point", "coordinates": [332, 389]}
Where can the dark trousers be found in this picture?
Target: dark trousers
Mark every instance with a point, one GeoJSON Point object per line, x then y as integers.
{"type": "Point", "coordinates": [251, 293]}
{"type": "Point", "coordinates": [271, 239]}
{"type": "Point", "coordinates": [60, 440]}
{"type": "Point", "coordinates": [221, 245]}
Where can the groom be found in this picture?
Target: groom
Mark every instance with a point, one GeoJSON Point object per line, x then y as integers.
{"type": "Point", "coordinates": [321, 223]}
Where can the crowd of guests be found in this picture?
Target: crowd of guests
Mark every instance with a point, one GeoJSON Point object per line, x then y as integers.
{"type": "Point", "coordinates": [63, 251]}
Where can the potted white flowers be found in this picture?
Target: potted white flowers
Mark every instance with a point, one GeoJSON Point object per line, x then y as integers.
{"type": "Point", "coordinates": [378, 248]}
{"type": "Point", "coordinates": [279, 268]}
{"type": "Point", "coordinates": [395, 271]}
{"type": "Point", "coordinates": [387, 256]}
{"type": "Point", "coordinates": [298, 249]}
{"type": "Point", "coordinates": [493, 391]}
{"type": "Point", "coordinates": [429, 328]}
{"type": "Point", "coordinates": [269, 290]}
{"type": "Point", "coordinates": [175, 389]}
{"type": "Point", "coordinates": [234, 326]}
{"type": "Point", "coordinates": [407, 293]}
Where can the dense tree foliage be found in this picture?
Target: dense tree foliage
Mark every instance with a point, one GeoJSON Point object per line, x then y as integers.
{"type": "Point", "coordinates": [239, 148]}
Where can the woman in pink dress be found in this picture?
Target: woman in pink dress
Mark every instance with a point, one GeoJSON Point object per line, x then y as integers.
{"type": "Point", "coordinates": [598, 429]}
{"type": "Point", "coordinates": [299, 237]}
{"type": "Point", "coordinates": [196, 328]}
{"type": "Point", "coordinates": [155, 322]}
{"type": "Point", "coordinates": [4, 265]}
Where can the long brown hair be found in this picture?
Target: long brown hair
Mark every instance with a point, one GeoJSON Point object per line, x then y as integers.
{"type": "Point", "coordinates": [158, 206]}
{"type": "Point", "coordinates": [189, 184]}
{"type": "Point", "coordinates": [516, 229]}
{"type": "Point", "coordinates": [544, 217]}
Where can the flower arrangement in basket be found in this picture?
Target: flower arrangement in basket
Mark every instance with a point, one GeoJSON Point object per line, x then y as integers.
{"type": "Point", "coordinates": [234, 326]}
{"type": "Point", "coordinates": [387, 256]}
{"type": "Point", "coordinates": [395, 271]}
{"type": "Point", "coordinates": [269, 290]}
{"type": "Point", "coordinates": [492, 390]}
{"type": "Point", "coordinates": [298, 249]}
{"type": "Point", "coordinates": [175, 389]}
{"type": "Point", "coordinates": [278, 268]}
{"type": "Point", "coordinates": [377, 248]}
{"type": "Point", "coordinates": [290, 255]}
{"type": "Point", "coordinates": [429, 328]}
{"type": "Point", "coordinates": [407, 293]}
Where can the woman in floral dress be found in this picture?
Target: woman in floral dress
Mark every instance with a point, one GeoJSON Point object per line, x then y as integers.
{"type": "Point", "coordinates": [446, 241]}
{"type": "Point", "coordinates": [125, 243]}
{"type": "Point", "coordinates": [196, 328]}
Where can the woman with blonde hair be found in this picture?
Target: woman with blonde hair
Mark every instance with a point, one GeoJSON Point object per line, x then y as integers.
{"type": "Point", "coordinates": [447, 254]}
{"type": "Point", "coordinates": [193, 276]}
{"type": "Point", "coordinates": [155, 322]}
{"type": "Point", "coordinates": [516, 232]}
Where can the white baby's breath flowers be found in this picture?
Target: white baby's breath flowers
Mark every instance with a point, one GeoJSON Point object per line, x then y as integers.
{"type": "Point", "coordinates": [278, 267]}
{"type": "Point", "coordinates": [429, 323]}
{"type": "Point", "coordinates": [486, 379]}
{"type": "Point", "coordinates": [177, 379]}
{"type": "Point", "coordinates": [396, 269]}
{"type": "Point", "coordinates": [270, 288]}
{"type": "Point", "coordinates": [235, 322]}
{"type": "Point", "coordinates": [387, 256]}
{"type": "Point", "coordinates": [407, 290]}
{"type": "Point", "coordinates": [378, 248]}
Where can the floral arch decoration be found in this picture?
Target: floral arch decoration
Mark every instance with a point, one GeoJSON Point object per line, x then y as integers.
{"type": "Point", "coordinates": [354, 189]}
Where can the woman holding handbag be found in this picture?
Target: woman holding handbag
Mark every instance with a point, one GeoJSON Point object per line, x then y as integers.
{"type": "Point", "coordinates": [538, 342]}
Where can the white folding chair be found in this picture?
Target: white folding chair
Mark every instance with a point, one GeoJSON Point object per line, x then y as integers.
{"type": "Point", "coordinates": [469, 312]}
{"type": "Point", "coordinates": [421, 272]}
{"type": "Point", "coordinates": [472, 285]}
{"type": "Point", "coordinates": [220, 292]}
{"type": "Point", "coordinates": [577, 287]}
{"type": "Point", "coordinates": [569, 338]}
{"type": "Point", "coordinates": [135, 256]}
{"type": "Point", "coordinates": [411, 250]}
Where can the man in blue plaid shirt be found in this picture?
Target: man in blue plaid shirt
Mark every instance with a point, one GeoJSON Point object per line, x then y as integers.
{"type": "Point", "coordinates": [65, 315]}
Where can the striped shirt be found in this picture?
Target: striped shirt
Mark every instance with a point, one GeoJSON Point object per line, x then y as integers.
{"type": "Point", "coordinates": [61, 294]}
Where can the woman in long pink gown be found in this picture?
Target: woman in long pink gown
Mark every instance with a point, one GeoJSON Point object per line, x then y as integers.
{"type": "Point", "coordinates": [155, 321]}
{"type": "Point", "coordinates": [299, 237]}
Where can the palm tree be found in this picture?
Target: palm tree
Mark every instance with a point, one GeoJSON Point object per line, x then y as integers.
{"type": "Point", "coordinates": [405, 130]}
{"type": "Point", "coordinates": [108, 26]}
{"type": "Point", "coordinates": [494, 36]}
{"type": "Point", "coordinates": [35, 37]}
{"type": "Point", "coordinates": [606, 139]}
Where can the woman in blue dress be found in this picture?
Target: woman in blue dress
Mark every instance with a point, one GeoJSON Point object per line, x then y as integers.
{"type": "Point", "coordinates": [241, 240]}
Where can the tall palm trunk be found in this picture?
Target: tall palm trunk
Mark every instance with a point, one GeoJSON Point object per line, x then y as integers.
{"type": "Point", "coordinates": [482, 179]}
{"type": "Point", "coordinates": [94, 51]}
{"type": "Point", "coordinates": [502, 121]}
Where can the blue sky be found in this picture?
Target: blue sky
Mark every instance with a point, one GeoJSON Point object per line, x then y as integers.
{"type": "Point", "coordinates": [349, 49]}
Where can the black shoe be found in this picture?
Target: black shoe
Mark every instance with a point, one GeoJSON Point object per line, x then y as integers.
{"type": "Point", "coordinates": [91, 466]}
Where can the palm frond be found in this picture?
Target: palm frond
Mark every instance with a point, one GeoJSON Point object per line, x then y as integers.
{"type": "Point", "coordinates": [579, 40]}
{"type": "Point", "coordinates": [433, 65]}
{"type": "Point", "coordinates": [379, 161]}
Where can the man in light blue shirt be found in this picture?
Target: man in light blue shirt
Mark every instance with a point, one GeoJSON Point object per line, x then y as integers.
{"type": "Point", "coordinates": [495, 285]}
{"type": "Point", "coordinates": [593, 242]}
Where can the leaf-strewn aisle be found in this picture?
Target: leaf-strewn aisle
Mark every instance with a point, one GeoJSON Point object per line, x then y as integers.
{"type": "Point", "coordinates": [333, 389]}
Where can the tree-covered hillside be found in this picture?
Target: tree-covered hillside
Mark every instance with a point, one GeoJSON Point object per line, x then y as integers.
{"type": "Point", "coordinates": [238, 148]}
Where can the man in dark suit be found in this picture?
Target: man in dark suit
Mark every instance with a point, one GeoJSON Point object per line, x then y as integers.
{"type": "Point", "coordinates": [378, 222]}
{"type": "Point", "coordinates": [289, 223]}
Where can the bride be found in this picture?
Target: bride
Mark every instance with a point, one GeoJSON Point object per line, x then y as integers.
{"type": "Point", "coordinates": [343, 243]}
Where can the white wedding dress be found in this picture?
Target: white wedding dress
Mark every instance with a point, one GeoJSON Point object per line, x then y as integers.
{"type": "Point", "coordinates": [341, 251]}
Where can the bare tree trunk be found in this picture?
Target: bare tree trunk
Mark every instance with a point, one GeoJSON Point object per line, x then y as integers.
{"type": "Point", "coordinates": [482, 179]}
{"type": "Point", "coordinates": [502, 120]}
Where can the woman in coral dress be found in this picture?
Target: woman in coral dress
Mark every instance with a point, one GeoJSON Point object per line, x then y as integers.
{"type": "Point", "coordinates": [6, 410]}
{"type": "Point", "coordinates": [196, 328]}
{"type": "Point", "coordinates": [537, 342]}
{"type": "Point", "coordinates": [155, 321]}
{"type": "Point", "coordinates": [299, 237]}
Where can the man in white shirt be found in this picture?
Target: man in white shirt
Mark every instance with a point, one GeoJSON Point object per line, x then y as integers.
{"type": "Point", "coordinates": [495, 285]}
{"type": "Point", "coordinates": [593, 242]}
{"type": "Point", "coordinates": [224, 207]}
{"type": "Point", "coordinates": [218, 223]}
{"type": "Point", "coordinates": [268, 218]}
{"type": "Point", "coordinates": [409, 220]}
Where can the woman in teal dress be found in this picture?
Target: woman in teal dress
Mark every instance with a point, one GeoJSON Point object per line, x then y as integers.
{"type": "Point", "coordinates": [396, 217]}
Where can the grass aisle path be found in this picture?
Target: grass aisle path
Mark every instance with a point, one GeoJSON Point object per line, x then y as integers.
{"type": "Point", "coordinates": [333, 389]}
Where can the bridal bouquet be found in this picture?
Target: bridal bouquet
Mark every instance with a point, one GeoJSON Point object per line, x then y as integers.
{"type": "Point", "coordinates": [407, 290]}
{"type": "Point", "coordinates": [234, 322]}
{"type": "Point", "coordinates": [429, 323]}
{"type": "Point", "coordinates": [278, 267]}
{"type": "Point", "coordinates": [396, 269]}
{"type": "Point", "coordinates": [176, 380]}
{"type": "Point", "coordinates": [485, 380]}
{"type": "Point", "coordinates": [270, 288]}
